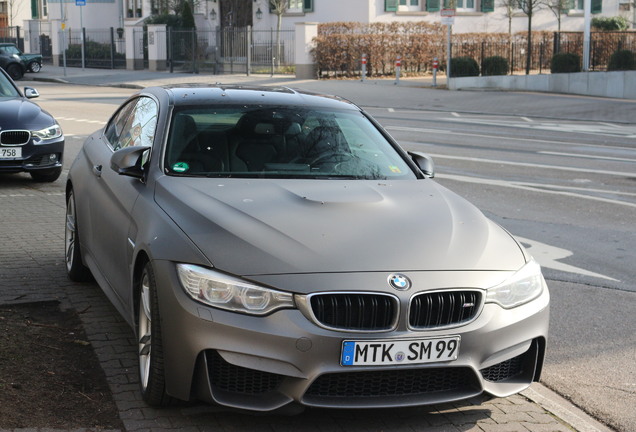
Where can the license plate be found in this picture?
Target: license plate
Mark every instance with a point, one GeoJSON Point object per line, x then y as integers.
{"type": "Point", "coordinates": [10, 152]}
{"type": "Point", "coordinates": [406, 351]}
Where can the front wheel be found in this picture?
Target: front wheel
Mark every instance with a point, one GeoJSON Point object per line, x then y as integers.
{"type": "Point", "coordinates": [151, 367]}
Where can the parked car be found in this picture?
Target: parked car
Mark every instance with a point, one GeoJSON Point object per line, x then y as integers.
{"type": "Point", "coordinates": [16, 63]}
{"type": "Point", "coordinates": [276, 248]}
{"type": "Point", "coordinates": [31, 140]}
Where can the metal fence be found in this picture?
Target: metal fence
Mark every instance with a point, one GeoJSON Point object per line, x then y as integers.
{"type": "Point", "coordinates": [231, 50]}
{"type": "Point", "coordinates": [602, 46]}
{"type": "Point", "coordinates": [101, 48]}
{"type": "Point", "coordinates": [12, 35]}
{"type": "Point", "coordinates": [514, 52]}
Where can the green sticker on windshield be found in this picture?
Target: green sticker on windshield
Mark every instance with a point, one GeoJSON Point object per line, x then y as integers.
{"type": "Point", "coordinates": [180, 167]}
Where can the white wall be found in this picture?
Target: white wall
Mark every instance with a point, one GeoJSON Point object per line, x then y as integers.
{"type": "Point", "coordinates": [93, 15]}
{"type": "Point", "coordinates": [373, 10]}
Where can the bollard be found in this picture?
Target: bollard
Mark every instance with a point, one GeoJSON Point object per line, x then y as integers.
{"type": "Point", "coordinates": [435, 67]}
{"type": "Point", "coordinates": [364, 66]}
{"type": "Point", "coordinates": [398, 67]}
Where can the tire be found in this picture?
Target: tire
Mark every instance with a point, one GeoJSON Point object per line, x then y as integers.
{"type": "Point", "coordinates": [34, 67]}
{"type": "Point", "coordinates": [15, 71]}
{"type": "Point", "coordinates": [150, 354]}
{"type": "Point", "coordinates": [75, 268]}
{"type": "Point", "coordinates": [46, 176]}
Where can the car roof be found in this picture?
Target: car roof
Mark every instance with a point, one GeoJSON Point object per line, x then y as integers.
{"type": "Point", "coordinates": [206, 94]}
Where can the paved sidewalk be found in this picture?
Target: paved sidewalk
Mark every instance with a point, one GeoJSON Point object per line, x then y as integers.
{"type": "Point", "coordinates": [38, 274]}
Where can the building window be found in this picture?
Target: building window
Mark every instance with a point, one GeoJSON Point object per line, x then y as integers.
{"type": "Point", "coordinates": [461, 5]}
{"type": "Point", "coordinates": [577, 6]}
{"type": "Point", "coordinates": [409, 5]}
{"type": "Point", "coordinates": [297, 6]}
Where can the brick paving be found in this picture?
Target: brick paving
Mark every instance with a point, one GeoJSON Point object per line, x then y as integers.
{"type": "Point", "coordinates": [32, 257]}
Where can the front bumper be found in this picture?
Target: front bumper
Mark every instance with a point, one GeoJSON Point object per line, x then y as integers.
{"type": "Point", "coordinates": [36, 157]}
{"type": "Point", "coordinates": [265, 363]}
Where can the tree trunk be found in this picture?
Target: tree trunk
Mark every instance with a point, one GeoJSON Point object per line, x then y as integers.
{"type": "Point", "coordinates": [529, 47]}
{"type": "Point", "coordinates": [278, 26]}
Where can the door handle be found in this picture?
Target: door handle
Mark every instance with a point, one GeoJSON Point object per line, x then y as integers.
{"type": "Point", "coordinates": [97, 170]}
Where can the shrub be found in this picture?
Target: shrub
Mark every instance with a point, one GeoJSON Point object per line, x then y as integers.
{"type": "Point", "coordinates": [565, 63]}
{"type": "Point", "coordinates": [495, 65]}
{"type": "Point", "coordinates": [617, 23]}
{"type": "Point", "coordinates": [622, 60]}
{"type": "Point", "coordinates": [464, 66]}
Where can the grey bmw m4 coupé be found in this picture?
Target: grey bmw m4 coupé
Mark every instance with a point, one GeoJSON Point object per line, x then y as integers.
{"type": "Point", "coordinates": [273, 248]}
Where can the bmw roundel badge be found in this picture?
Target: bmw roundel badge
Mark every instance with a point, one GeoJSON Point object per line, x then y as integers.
{"type": "Point", "coordinates": [399, 282]}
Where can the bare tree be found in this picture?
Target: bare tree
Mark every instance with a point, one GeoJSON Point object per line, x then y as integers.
{"type": "Point", "coordinates": [510, 6]}
{"type": "Point", "coordinates": [557, 7]}
{"type": "Point", "coordinates": [278, 7]}
{"type": "Point", "coordinates": [14, 8]}
{"type": "Point", "coordinates": [529, 7]}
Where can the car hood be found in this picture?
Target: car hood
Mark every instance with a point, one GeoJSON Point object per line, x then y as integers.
{"type": "Point", "coordinates": [29, 57]}
{"type": "Point", "coordinates": [257, 227]}
{"type": "Point", "coordinates": [20, 113]}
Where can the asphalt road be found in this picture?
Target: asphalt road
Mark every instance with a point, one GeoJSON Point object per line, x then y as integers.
{"type": "Point", "coordinates": [557, 171]}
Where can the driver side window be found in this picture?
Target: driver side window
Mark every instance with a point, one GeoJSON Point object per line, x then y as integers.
{"type": "Point", "coordinates": [134, 125]}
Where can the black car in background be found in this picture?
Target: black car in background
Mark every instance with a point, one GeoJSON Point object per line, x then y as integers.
{"type": "Point", "coordinates": [16, 63]}
{"type": "Point", "coordinates": [31, 140]}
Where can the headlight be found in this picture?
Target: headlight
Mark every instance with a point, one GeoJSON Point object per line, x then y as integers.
{"type": "Point", "coordinates": [522, 287]}
{"type": "Point", "coordinates": [48, 133]}
{"type": "Point", "coordinates": [225, 292]}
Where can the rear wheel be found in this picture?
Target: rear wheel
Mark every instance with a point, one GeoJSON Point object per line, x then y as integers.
{"type": "Point", "coordinates": [46, 176]}
{"type": "Point", "coordinates": [151, 367]}
{"type": "Point", "coordinates": [75, 268]}
{"type": "Point", "coordinates": [15, 71]}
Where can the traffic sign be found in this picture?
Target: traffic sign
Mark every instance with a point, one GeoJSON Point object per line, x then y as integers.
{"type": "Point", "coordinates": [447, 12]}
{"type": "Point", "coordinates": [80, 2]}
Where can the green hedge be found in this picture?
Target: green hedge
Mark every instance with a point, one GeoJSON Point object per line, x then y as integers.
{"type": "Point", "coordinates": [495, 65]}
{"type": "Point", "coordinates": [622, 60]}
{"type": "Point", "coordinates": [565, 63]}
{"type": "Point", "coordinates": [464, 66]}
{"type": "Point", "coordinates": [94, 50]}
{"type": "Point", "coordinates": [617, 23]}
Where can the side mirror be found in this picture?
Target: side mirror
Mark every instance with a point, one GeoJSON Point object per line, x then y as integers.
{"type": "Point", "coordinates": [424, 162]}
{"type": "Point", "coordinates": [30, 93]}
{"type": "Point", "coordinates": [128, 161]}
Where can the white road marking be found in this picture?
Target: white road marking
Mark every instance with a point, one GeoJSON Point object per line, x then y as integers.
{"type": "Point", "coordinates": [509, 138]}
{"type": "Point", "coordinates": [584, 156]}
{"type": "Point", "coordinates": [549, 256]}
{"type": "Point", "coordinates": [533, 165]}
{"type": "Point", "coordinates": [101, 122]}
{"type": "Point", "coordinates": [534, 187]}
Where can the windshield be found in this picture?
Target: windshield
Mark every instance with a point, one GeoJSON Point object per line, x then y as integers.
{"type": "Point", "coordinates": [283, 142]}
{"type": "Point", "coordinates": [6, 88]}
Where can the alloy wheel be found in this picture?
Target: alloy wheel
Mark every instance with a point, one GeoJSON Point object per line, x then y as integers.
{"type": "Point", "coordinates": [144, 331]}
